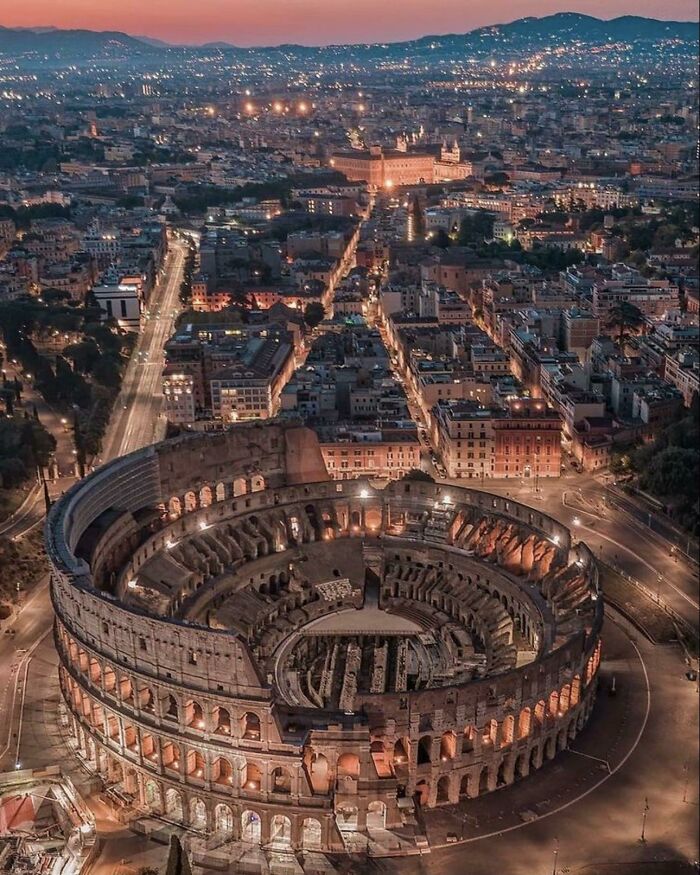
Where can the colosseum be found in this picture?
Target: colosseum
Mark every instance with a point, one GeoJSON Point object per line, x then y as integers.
{"type": "Point", "coordinates": [253, 650]}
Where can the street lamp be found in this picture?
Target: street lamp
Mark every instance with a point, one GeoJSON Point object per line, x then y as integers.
{"type": "Point", "coordinates": [556, 856]}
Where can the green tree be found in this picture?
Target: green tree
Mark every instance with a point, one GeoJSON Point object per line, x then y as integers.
{"type": "Point", "coordinates": [625, 317]}
{"type": "Point", "coordinates": [314, 313]}
{"type": "Point", "coordinates": [178, 861]}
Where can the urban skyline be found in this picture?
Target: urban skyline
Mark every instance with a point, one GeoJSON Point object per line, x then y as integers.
{"type": "Point", "coordinates": [349, 441]}
{"type": "Point", "coordinates": [310, 22]}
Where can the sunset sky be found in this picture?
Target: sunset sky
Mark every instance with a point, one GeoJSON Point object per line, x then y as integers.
{"type": "Point", "coordinates": [266, 22]}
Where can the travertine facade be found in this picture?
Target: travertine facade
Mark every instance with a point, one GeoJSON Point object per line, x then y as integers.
{"type": "Point", "coordinates": [256, 651]}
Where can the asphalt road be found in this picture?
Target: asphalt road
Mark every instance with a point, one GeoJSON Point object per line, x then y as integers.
{"type": "Point", "coordinates": [132, 427]}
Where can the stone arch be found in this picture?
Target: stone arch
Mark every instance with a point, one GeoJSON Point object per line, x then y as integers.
{"type": "Point", "coordinates": [170, 754]}
{"type": "Point", "coordinates": [240, 486]}
{"type": "Point", "coordinates": [222, 772]}
{"type": "Point", "coordinates": [348, 765]}
{"type": "Point", "coordinates": [373, 518]}
{"type": "Point", "coordinates": [205, 496]}
{"type": "Point", "coordinates": [222, 720]}
{"type": "Point", "coordinates": [521, 767]}
{"type": "Point", "coordinates": [425, 749]}
{"type": "Point", "coordinates": [540, 712]}
{"type": "Point", "coordinates": [483, 786]}
{"type": "Point", "coordinates": [319, 772]}
{"type": "Point", "coordinates": [198, 814]}
{"type": "Point", "coordinates": [257, 483]}
{"type": "Point", "coordinates": [507, 731]}
{"type": "Point", "coordinates": [443, 790]}
{"type": "Point", "coordinates": [448, 746]}
{"type": "Point", "coordinates": [524, 723]}
{"type": "Point", "coordinates": [147, 701]}
{"type": "Point", "coordinates": [565, 699]}
{"type": "Point", "coordinates": [195, 764]}
{"type": "Point", "coordinates": [281, 780]}
{"type": "Point", "coordinates": [223, 820]}
{"type": "Point", "coordinates": [109, 679]}
{"type": "Point", "coordinates": [95, 671]}
{"type": "Point", "coordinates": [553, 704]}
{"type": "Point", "coordinates": [402, 751]}
{"type": "Point", "coordinates": [194, 714]}
{"type": "Point", "coordinates": [311, 834]}
{"type": "Point", "coordinates": [175, 507]}
{"type": "Point", "coordinates": [464, 785]}
{"type": "Point", "coordinates": [251, 827]}
{"type": "Point", "coordinates": [190, 501]}
{"type": "Point", "coordinates": [220, 492]}
{"type": "Point", "coordinates": [173, 805]}
{"type": "Point", "coordinates": [576, 690]}
{"type": "Point", "coordinates": [468, 739]}
{"type": "Point", "coordinates": [562, 739]}
{"type": "Point", "coordinates": [376, 815]}
{"type": "Point", "coordinates": [281, 831]}
{"type": "Point", "coordinates": [347, 817]}
{"type": "Point", "coordinates": [250, 726]}
{"type": "Point", "coordinates": [171, 710]}
{"type": "Point", "coordinates": [252, 776]}
{"type": "Point", "coordinates": [422, 793]}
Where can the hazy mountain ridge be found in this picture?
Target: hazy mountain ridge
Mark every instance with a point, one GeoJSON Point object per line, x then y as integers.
{"type": "Point", "coordinates": [522, 33]}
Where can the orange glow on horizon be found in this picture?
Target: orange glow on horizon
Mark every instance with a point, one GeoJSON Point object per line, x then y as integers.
{"type": "Point", "coordinates": [311, 22]}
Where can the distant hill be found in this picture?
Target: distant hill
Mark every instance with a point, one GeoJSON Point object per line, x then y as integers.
{"type": "Point", "coordinates": [531, 33]}
{"type": "Point", "coordinates": [56, 42]}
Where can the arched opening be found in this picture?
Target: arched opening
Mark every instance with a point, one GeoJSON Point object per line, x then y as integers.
{"type": "Point", "coordinates": [348, 765]}
{"type": "Point", "coordinates": [171, 710]}
{"type": "Point", "coordinates": [257, 484]}
{"type": "Point", "coordinates": [220, 492]}
{"type": "Point", "coordinates": [281, 831]}
{"type": "Point", "coordinates": [195, 764]}
{"type": "Point", "coordinates": [507, 730]}
{"type": "Point", "coordinates": [252, 777]}
{"type": "Point", "coordinates": [346, 817]}
{"type": "Point", "coordinates": [318, 772]}
{"type": "Point", "coordinates": [250, 726]}
{"type": "Point", "coordinates": [376, 815]}
{"type": "Point", "coordinates": [540, 712]}
{"type": "Point", "coordinates": [194, 715]}
{"type": "Point", "coordinates": [223, 821]}
{"type": "Point", "coordinates": [565, 699]}
{"type": "Point", "coordinates": [484, 781]}
{"type": "Point", "coordinates": [448, 746]}
{"type": "Point", "coordinates": [553, 705]}
{"type": "Point", "coordinates": [534, 758]}
{"type": "Point", "coordinates": [576, 690]}
{"type": "Point", "coordinates": [373, 518]}
{"type": "Point", "coordinates": [95, 671]}
{"type": "Point", "coordinates": [468, 739]}
{"type": "Point", "coordinates": [402, 748]}
{"type": "Point", "coordinates": [198, 814]}
{"type": "Point", "coordinates": [153, 796]}
{"type": "Point", "coordinates": [443, 790]}
{"type": "Point", "coordinates": [524, 723]}
{"type": "Point", "coordinates": [109, 679]}
{"type": "Point", "coordinates": [490, 733]}
{"type": "Point", "coordinates": [174, 508]}
{"type": "Point", "coordinates": [422, 793]}
{"type": "Point", "coordinates": [251, 827]}
{"type": "Point", "coordinates": [126, 690]}
{"type": "Point", "coordinates": [281, 781]}
{"type": "Point", "coordinates": [520, 770]}
{"type": "Point", "coordinates": [190, 502]}
{"type": "Point", "coordinates": [222, 721]}
{"type": "Point", "coordinates": [147, 701]}
{"type": "Point", "coordinates": [425, 745]}
{"type": "Point", "coordinates": [173, 805]}
{"type": "Point", "coordinates": [171, 755]}
{"type": "Point", "coordinates": [222, 772]}
{"type": "Point", "coordinates": [311, 835]}
{"type": "Point", "coordinates": [205, 496]}
{"type": "Point", "coordinates": [464, 786]}
{"type": "Point", "coordinates": [501, 778]}
{"type": "Point", "coordinates": [240, 487]}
